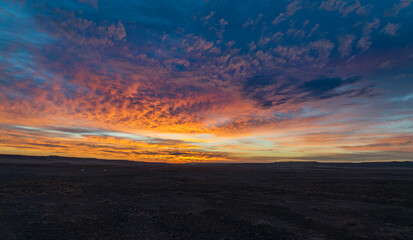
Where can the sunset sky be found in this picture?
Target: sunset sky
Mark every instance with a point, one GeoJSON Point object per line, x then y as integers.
{"type": "Point", "coordinates": [208, 81]}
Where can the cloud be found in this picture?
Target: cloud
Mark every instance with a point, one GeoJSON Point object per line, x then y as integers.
{"type": "Point", "coordinates": [386, 65]}
{"type": "Point", "coordinates": [344, 7]}
{"type": "Point", "coordinates": [313, 30]}
{"type": "Point", "coordinates": [391, 28]}
{"type": "Point", "coordinates": [271, 91]}
{"type": "Point", "coordinates": [323, 48]}
{"type": "Point", "coordinates": [292, 8]}
{"type": "Point", "coordinates": [82, 31]}
{"type": "Point", "coordinates": [131, 80]}
{"type": "Point", "coordinates": [346, 157]}
{"type": "Point", "coordinates": [117, 31]}
{"type": "Point", "coordinates": [205, 19]}
{"type": "Point", "coordinates": [365, 41]}
{"type": "Point", "coordinates": [326, 88]}
{"type": "Point", "coordinates": [252, 22]}
{"type": "Point", "coordinates": [105, 146]}
{"type": "Point", "coordinates": [402, 5]}
{"type": "Point", "coordinates": [322, 87]}
{"type": "Point", "coordinates": [370, 26]}
{"type": "Point", "coordinates": [331, 5]}
{"type": "Point", "coordinates": [364, 10]}
{"type": "Point", "coordinates": [345, 44]}
{"type": "Point", "coordinates": [389, 144]}
{"type": "Point", "coordinates": [93, 3]}
{"type": "Point", "coordinates": [315, 54]}
{"type": "Point", "coordinates": [346, 10]}
{"type": "Point", "coordinates": [280, 18]}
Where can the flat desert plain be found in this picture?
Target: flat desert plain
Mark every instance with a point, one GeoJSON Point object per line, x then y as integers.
{"type": "Point", "coordinates": [69, 198]}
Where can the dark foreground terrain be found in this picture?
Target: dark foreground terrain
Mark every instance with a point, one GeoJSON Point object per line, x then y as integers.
{"type": "Point", "coordinates": [57, 198]}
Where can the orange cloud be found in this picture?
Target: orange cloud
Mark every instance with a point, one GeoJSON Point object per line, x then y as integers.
{"type": "Point", "coordinates": [401, 143]}
{"type": "Point", "coordinates": [109, 147]}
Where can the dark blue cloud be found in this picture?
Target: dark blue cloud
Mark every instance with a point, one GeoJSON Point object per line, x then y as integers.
{"type": "Point", "coordinates": [270, 90]}
{"type": "Point", "coordinates": [323, 88]}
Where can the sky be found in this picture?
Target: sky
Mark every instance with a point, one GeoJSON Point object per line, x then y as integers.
{"type": "Point", "coordinates": [208, 81]}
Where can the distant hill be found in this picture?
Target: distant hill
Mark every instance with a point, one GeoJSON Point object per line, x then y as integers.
{"type": "Point", "coordinates": [25, 159]}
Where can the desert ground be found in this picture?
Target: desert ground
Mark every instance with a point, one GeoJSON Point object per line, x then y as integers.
{"type": "Point", "coordinates": [69, 198]}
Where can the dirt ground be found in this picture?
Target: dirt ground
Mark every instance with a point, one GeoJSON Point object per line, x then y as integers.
{"type": "Point", "coordinates": [46, 199]}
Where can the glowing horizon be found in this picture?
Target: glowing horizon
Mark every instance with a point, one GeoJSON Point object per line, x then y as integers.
{"type": "Point", "coordinates": [208, 81]}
